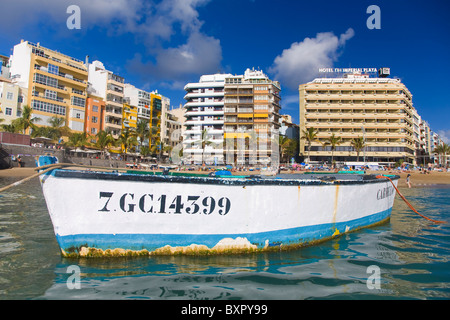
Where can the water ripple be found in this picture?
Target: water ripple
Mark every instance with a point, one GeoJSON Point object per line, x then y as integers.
{"type": "Point", "coordinates": [411, 254]}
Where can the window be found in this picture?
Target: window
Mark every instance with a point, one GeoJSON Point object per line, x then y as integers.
{"type": "Point", "coordinates": [48, 107]}
{"type": "Point", "coordinates": [53, 69]}
{"type": "Point", "coordinates": [80, 102]}
{"type": "Point", "coordinates": [94, 108]}
{"type": "Point", "coordinates": [94, 130]}
{"type": "Point", "coordinates": [42, 79]}
{"type": "Point", "coordinates": [50, 94]}
{"type": "Point", "coordinates": [9, 96]}
{"type": "Point", "coordinates": [94, 119]}
{"type": "Point", "coordinates": [8, 111]}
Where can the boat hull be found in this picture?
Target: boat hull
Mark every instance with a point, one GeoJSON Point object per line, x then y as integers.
{"type": "Point", "coordinates": [96, 213]}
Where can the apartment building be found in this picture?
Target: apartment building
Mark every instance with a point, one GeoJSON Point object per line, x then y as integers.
{"type": "Point", "coordinates": [129, 116]}
{"type": "Point", "coordinates": [252, 112]}
{"type": "Point", "coordinates": [377, 109]}
{"type": "Point", "coordinates": [110, 87]}
{"type": "Point", "coordinates": [12, 99]}
{"type": "Point", "coordinates": [95, 115]}
{"type": "Point", "coordinates": [204, 112]}
{"type": "Point", "coordinates": [172, 133]}
{"type": "Point", "coordinates": [4, 66]}
{"type": "Point", "coordinates": [56, 83]}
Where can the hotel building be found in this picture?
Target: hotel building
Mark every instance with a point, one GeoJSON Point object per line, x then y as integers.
{"type": "Point", "coordinates": [204, 111]}
{"type": "Point", "coordinates": [252, 112]}
{"type": "Point", "coordinates": [380, 110]}
{"type": "Point", "coordinates": [110, 88]}
{"type": "Point", "coordinates": [56, 83]}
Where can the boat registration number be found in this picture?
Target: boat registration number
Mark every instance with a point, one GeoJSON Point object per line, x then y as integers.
{"type": "Point", "coordinates": [151, 203]}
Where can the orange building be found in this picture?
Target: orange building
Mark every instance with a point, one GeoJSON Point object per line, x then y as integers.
{"type": "Point", "coordinates": [95, 113]}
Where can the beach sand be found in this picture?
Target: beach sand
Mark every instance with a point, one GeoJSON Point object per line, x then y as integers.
{"type": "Point", "coordinates": [417, 179]}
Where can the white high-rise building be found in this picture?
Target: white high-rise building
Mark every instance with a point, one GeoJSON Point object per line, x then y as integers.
{"type": "Point", "coordinates": [110, 87]}
{"type": "Point", "coordinates": [204, 114]}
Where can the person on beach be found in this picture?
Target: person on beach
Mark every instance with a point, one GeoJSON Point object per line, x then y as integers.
{"type": "Point", "coordinates": [408, 180]}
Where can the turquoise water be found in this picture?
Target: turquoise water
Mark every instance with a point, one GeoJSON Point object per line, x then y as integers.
{"type": "Point", "coordinates": [406, 258]}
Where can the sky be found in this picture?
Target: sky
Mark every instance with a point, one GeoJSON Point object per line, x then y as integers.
{"type": "Point", "coordinates": [165, 44]}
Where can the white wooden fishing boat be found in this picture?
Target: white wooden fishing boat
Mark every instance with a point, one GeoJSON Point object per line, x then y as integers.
{"type": "Point", "coordinates": [99, 213]}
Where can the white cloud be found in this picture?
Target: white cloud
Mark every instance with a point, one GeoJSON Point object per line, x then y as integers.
{"type": "Point", "coordinates": [300, 63]}
{"type": "Point", "coordinates": [445, 135]}
{"type": "Point", "coordinates": [199, 55]}
{"type": "Point", "coordinates": [153, 24]}
{"type": "Point", "coordinates": [93, 12]}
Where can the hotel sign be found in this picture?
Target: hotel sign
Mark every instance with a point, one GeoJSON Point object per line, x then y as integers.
{"type": "Point", "coordinates": [349, 70]}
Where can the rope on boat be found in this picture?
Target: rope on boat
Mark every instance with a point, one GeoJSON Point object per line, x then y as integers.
{"type": "Point", "coordinates": [29, 178]}
{"type": "Point", "coordinates": [406, 201]}
{"type": "Point", "coordinates": [51, 167]}
{"type": "Point", "coordinates": [46, 169]}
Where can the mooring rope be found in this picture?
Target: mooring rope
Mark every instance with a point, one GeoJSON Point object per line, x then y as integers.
{"type": "Point", "coordinates": [406, 201]}
{"type": "Point", "coordinates": [28, 178]}
{"type": "Point", "coordinates": [48, 168]}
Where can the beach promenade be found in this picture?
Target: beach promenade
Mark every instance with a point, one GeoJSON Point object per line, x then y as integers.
{"type": "Point", "coordinates": [417, 179]}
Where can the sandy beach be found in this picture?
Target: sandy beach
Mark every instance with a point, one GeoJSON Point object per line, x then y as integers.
{"type": "Point", "coordinates": [417, 179]}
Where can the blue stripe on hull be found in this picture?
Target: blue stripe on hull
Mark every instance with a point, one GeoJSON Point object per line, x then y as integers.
{"type": "Point", "coordinates": [150, 242]}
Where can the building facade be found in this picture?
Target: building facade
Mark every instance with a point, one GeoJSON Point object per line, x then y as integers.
{"type": "Point", "coordinates": [56, 83]}
{"type": "Point", "coordinates": [251, 119]}
{"type": "Point", "coordinates": [379, 110]}
{"type": "Point", "coordinates": [12, 99]}
{"type": "Point", "coordinates": [231, 119]}
{"type": "Point", "coordinates": [110, 87]}
{"type": "Point", "coordinates": [204, 113]}
{"type": "Point", "coordinates": [95, 115]}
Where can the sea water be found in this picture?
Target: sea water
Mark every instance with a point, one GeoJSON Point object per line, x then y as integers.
{"type": "Point", "coordinates": [405, 258]}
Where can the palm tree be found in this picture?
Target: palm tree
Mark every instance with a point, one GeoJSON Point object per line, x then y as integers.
{"type": "Point", "coordinates": [27, 120]}
{"type": "Point", "coordinates": [287, 147]}
{"type": "Point", "coordinates": [442, 149]}
{"type": "Point", "coordinates": [145, 151]}
{"type": "Point", "coordinates": [358, 144]}
{"type": "Point", "coordinates": [10, 128]}
{"type": "Point", "coordinates": [142, 131]}
{"type": "Point", "coordinates": [127, 139]}
{"type": "Point", "coordinates": [104, 140]}
{"type": "Point", "coordinates": [77, 140]}
{"type": "Point", "coordinates": [334, 141]}
{"type": "Point", "coordinates": [205, 142]}
{"type": "Point", "coordinates": [309, 135]}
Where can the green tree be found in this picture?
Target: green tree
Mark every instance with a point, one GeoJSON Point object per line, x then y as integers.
{"type": "Point", "coordinates": [77, 140]}
{"type": "Point", "coordinates": [127, 140]}
{"type": "Point", "coordinates": [442, 149]}
{"type": "Point", "coordinates": [309, 135]}
{"type": "Point", "coordinates": [142, 131]}
{"type": "Point", "coordinates": [27, 120]}
{"type": "Point", "coordinates": [333, 141]}
{"type": "Point", "coordinates": [10, 128]}
{"type": "Point", "coordinates": [358, 144]}
{"type": "Point", "coordinates": [287, 147]}
{"type": "Point", "coordinates": [104, 140]}
{"type": "Point", "coordinates": [204, 141]}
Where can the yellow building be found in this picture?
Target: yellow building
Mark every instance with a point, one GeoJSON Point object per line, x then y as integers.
{"type": "Point", "coordinates": [379, 110]}
{"type": "Point", "coordinates": [56, 83]}
{"type": "Point", "coordinates": [155, 117]}
{"type": "Point", "coordinates": [129, 116]}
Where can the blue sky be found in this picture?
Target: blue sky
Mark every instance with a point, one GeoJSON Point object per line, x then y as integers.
{"type": "Point", "coordinates": [162, 45]}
